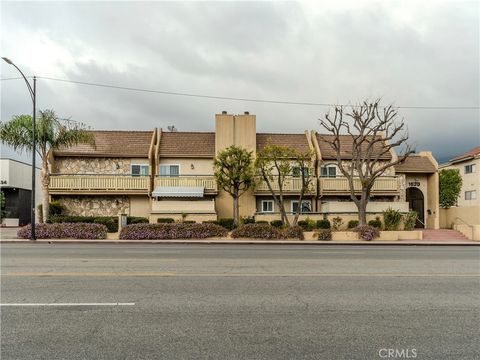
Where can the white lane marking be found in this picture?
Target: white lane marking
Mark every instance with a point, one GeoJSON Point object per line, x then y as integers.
{"type": "Point", "coordinates": [68, 304]}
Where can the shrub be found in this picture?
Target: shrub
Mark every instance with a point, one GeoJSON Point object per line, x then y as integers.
{"type": "Point", "coordinates": [267, 232]}
{"type": "Point", "coordinates": [276, 223]}
{"type": "Point", "coordinates": [377, 223]}
{"type": "Point", "coordinates": [171, 231]}
{"type": "Point", "coordinates": [293, 232]}
{"type": "Point", "coordinates": [165, 220]}
{"type": "Point", "coordinates": [367, 232]}
{"type": "Point", "coordinates": [65, 230]}
{"type": "Point", "coordinates": [110, 222]}
{"type": "Point", "coordinates": [337, 222]}
{"type": "Point", "coordinates": [324, 224]}
{"type": "Point", "coordinates": [55, 208]}
{"type": "Point", "coordinates": [307, 224]}
{"type": "Point", "coordinates": [261, 222]}
{"type": "Point", "coordinates": [137, 220]}
{"type": "Point", "coordinates": [227, 223]}
{"type": "Point", "coordinates": [352, 224]}
{"type": "Point", "coordinates": [72, 219]}
{"type": "Point", "coordinates": [325, 234]}
{"type": "Point", "coordinates": [189, 222]}
{"type": "Point", "coordinates": [248, 220]}
{"type": "Point", "coordinates": [409, 220]}
{"type": "Point", "coordinates": [392, 219]}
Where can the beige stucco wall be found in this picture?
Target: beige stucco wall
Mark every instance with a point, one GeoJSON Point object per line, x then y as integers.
{"type": "Point", "coordinates": [204, 205]}
{"type": "Point", "coordinates": [184, 217]}
{"type": "Point", "coordinates": [200, 166]}
{"type": "Point", "coordinates": [139, 206]}
{"type": "Point", "coordinates": [95, 165]}
{"type": "Point", "coordinates": [459, 215]}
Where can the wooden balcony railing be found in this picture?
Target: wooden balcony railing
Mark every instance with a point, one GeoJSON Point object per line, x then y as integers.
{"type": "Point", "coordinates": [208, 182]}
{"type": "Point", "coordinates": [60, 184]}
{"type": "Point", "coordinates": [291, 185]}
{"type": "Point", "coordinates": [339, 185]}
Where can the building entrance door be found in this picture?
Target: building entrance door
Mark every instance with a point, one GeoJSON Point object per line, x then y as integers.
{"type": "Point", "coordinates": [416, 203]}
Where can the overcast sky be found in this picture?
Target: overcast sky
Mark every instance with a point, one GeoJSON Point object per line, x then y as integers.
{"type": "Point", "coordinates": [417, 53]}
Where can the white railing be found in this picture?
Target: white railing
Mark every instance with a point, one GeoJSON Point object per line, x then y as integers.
{"type": "Point", "coordinates": [208, 182]}
{"type": "Point", "coordinates": [341, 185]}
{"type": "Point", "coordinates": [99, 183]}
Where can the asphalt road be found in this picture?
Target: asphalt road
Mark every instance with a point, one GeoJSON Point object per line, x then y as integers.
{"type": "Point", "coordinates": [239, 302]}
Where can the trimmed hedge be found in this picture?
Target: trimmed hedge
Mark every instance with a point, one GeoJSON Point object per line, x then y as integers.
{"type": "Point", "coordinates": [171, 231]}
{"type": "Point", "coordinates": [307, 224]}
{"type": "Point", "coordinates": [111, 222]}
{"type": "Point", "coordinates": [276, 223]}
{"type": "Point", "coordinates": [65, 231]}
{"type": "Point", "coordinates": [137, 220]}
{"type": "Point", "coordinates": [165, 220]}
{"type": "Point", "coordinates": [227, 223]}
{"type": "Point", "coordinates": [324, 224]}
{"type": "Point", "coordinates": [377, 223]}
{"type": "Point", "coordinates": [352, 224]}
{"type": "Point", "coordinates": [267, 232]}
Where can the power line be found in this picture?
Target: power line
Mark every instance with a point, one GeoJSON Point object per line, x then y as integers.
{"type": "Point", "coordinates": [14, 78]}
{"type": "Point", "coordinates": [301, 103]}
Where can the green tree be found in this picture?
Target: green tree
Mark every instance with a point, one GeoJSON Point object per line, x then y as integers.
{"type": "Point", "coordinates": [450, 183]}
{"type": "Point", "coordinates": [234, 172]}
{"type": "Point", "coordinates": [50, 134]}
{"type": "Point", "coordinates": [276, 166]}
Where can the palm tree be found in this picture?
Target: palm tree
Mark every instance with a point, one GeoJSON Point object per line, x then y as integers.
{"type": "Point", "coordinates": [51, 134]}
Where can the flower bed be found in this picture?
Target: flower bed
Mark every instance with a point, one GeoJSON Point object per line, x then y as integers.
{"type": "Point", "coordinates": [267, 232]}
{"type": "Point", "coordinates": [65, 231]}
{"type": "Point", "coordinates": [171, 231]}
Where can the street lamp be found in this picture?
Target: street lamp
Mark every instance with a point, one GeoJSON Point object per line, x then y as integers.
{"type": "Point", "coordinates": [34, 100]}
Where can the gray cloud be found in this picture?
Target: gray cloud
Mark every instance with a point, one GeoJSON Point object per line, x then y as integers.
{"type": "Point", "coordinates": [286, 51]}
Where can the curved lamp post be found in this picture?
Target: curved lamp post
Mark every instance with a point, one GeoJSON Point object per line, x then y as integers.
{"type": "Point", "coordinates": [34, 100]}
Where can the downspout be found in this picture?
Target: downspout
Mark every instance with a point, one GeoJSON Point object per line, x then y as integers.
{"type": "Point", "coordinates": [318, 160]}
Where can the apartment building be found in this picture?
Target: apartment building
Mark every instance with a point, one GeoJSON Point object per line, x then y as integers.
{"type": "Point", "coordinates": [160, 174]}
{"type": "Point", "coordinates": [467, 211]}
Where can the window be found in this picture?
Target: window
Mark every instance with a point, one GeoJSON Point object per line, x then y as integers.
{"type": "Point", "coordinates": [306, 206]}
{"type": "Point", "coordinates": [297, 172]}
{"type": "Point", "coordinates": [139, 170]}
{"type": "Point", "coordinates": [470, 195]}
{"type": "Point", "coordinates": [267, 206]}
{"type": "Point", "coordinates": [169, 170]}
{"type": "Point", "coordinates": [328, 171]}
{"type": "Point", "coordinates": [470, 169]}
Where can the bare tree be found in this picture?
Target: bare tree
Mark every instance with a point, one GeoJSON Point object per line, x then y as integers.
{"type": "Point", "coordinates": [276, 165]}
{"type": "Point", "coordinates": [373, 131]}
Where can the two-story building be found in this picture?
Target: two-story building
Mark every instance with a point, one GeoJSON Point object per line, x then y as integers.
{"type": "Point", "coordinates": [160, 174]}
{"type": "Point", "coordinates": [467, 211]}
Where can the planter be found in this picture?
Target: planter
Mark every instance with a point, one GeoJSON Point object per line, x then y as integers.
{"type": "Point", "coordinates": [14, 222]}
{"type": "Point", "coordinates": [384, 235]}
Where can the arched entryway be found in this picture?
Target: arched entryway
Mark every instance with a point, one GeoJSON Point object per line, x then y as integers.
{"type": "Point", "coordinates": [416, 203]}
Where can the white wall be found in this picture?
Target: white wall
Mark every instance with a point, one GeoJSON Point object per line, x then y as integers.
{"type": "Point", "coordinates": [17, 174]}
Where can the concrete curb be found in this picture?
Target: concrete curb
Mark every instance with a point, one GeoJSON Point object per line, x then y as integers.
{"type": "Point", "coordinates": [241, 242]}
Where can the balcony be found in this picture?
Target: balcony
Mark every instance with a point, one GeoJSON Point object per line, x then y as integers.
{"type": "Point", "coordinates": [292, 185]}
{"type": "Point", "coordinates": [99, 184]}
{"type": "Point", "coordinates": [385, 185]}
{"type": "Point", "coordinates": [208, 182]}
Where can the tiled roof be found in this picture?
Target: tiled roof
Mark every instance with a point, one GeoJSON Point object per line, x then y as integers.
{"type": "Point", "coordinates": [187, 144]}
{"type": "Point", "coordinates": [467, 155]}
{"type": "Point", "coordinates": [346, 144]}
{"type": "Point", "coordinates": [295, 141]}
{"type": "Point", "coordinates": [112, 144]}
{"type": "Point", "coordinates": [416, 164]}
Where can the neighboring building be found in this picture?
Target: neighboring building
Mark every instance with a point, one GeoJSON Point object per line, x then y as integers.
{"type": "Point", "coordinates": [160, 174]}
{"type": "Point", "coordinates": [467, 211]}
{"type": "Point", "coordinates": [16, 184]}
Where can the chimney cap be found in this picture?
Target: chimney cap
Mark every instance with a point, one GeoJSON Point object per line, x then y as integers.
{"type": "Point", "coordinates": [224, 112]}
{"type": "Point", "coordinates": [247, 113]}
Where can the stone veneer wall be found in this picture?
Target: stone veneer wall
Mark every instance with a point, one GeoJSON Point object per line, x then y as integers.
{"type": "Point", "coordinates": [84, 165]}
{"type": "Point", "coordinates": [95, 205]}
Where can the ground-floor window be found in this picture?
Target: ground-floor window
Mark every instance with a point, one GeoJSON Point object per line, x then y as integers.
{"type": "Point", "coordinates": [267, 206]}
{"type": "Point", "coordinates": [470, 195]}
{"type": "Point", "coordinates": [306, 206]}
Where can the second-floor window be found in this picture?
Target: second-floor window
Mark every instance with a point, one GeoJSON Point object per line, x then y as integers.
{"type": "Point", "coordinates": [297, 172]}
{"type": "Point", "coordinates": [470, 169]}
{"type": "Point", "coordinates": [471, 195]}
{"type": "Point", "coordinates": [169, 170]}
{"type": "Point", "coordinates": [139, 170]}
{"type": "Point", "coordinates": [328, 171]}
